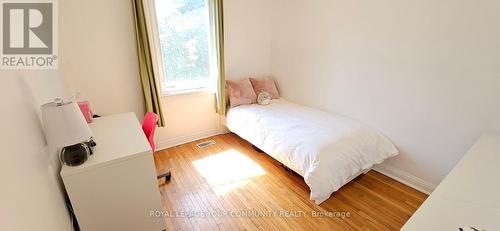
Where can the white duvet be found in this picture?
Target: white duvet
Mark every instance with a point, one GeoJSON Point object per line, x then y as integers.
{"type": "Point", "coordinates": [328, 150]}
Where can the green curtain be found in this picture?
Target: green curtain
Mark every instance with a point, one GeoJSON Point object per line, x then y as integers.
{"type": "Point", "coordinates": [147, 75]}
{"type": "Point", "coordinates": [219, 31]}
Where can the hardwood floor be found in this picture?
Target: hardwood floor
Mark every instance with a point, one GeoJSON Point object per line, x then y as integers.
{"type": "Point", "coordinates": [224, 186]}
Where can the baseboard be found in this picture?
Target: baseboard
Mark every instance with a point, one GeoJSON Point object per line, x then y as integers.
{"type": "Point", "coordinates": [164, 144]}
{"type": "Point", "coordinates": [405, 178]}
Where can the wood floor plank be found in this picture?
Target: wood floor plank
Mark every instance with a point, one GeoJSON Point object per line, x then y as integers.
{"type": "Point", "coordinates": [373, 201]}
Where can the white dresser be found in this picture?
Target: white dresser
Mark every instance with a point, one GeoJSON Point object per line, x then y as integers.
{"type": "Point", "coordinates": [116, 188]}
{"type": "Point", "coordinates": [469, 196]}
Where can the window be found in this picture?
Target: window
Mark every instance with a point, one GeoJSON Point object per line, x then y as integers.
{"type": "Point", "coordinates": [185, 43]}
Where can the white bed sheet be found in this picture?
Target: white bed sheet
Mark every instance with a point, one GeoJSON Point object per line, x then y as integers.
{"type": "Point", "coordinates": [326, 149]}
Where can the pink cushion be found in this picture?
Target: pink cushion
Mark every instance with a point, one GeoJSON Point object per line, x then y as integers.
{"type": "Point", "coordinates": [265, 84]}
{"type": "Point", "coordinates": [240, 92]}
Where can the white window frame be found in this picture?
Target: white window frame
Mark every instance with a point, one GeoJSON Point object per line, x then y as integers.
{"type": "Point", "coordinates": [157, 56]}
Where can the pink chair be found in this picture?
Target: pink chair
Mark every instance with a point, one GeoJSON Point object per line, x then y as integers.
{"type": "Point", "coordinates": [149, 128]}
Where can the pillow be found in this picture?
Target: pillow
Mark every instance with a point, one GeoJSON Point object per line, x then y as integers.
{"type": "Point", "coordinates": [265, 84]}
{"type": "Point", "coordinates": [240, 92]}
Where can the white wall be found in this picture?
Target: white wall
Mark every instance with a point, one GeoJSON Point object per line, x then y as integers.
{"type": "Point", "coordinates": [426, 73]}
{"type": "Point", "coordinates": [31, 196]}
{"type": "Point", "coordinates": [98, 56]}
{"type": "Point", "coordinates": [189, 117]}
{"type": "Point", "coordinates": [247, 28]}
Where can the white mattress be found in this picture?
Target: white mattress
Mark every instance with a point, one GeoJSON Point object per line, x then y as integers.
{"type": "Point", "coordinates": [326, 149]}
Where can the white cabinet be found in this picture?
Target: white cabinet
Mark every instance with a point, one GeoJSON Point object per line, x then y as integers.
{"type": "Point", "coordinates": [116, 188]}
{"type": "Point", "coordinates": [469, 196]}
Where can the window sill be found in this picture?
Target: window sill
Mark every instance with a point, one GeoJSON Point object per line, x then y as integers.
{"type": "Point", "coordinates": [194, 92]}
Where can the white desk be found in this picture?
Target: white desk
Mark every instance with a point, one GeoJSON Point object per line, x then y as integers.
{"type": "Point", "coordinates": [116, 188]}
{"type": "Point", "coordinates": [468, 196]}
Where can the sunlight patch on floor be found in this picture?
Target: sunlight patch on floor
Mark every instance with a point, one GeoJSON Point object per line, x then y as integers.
{"type": "Point", "coordinates": [227, 171]}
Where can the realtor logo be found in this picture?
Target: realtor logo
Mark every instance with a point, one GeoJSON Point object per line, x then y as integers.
{"type": "Point", "coordinates": [29, 34]}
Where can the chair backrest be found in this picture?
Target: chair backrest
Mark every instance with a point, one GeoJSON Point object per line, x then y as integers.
{"type": "Point", "coordinates": [149, 127]}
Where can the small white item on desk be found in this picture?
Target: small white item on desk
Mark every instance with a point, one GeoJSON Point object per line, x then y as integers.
{"type": "Point", "coordinates": [64, 124]}
{"type": "Point", "coordinates": [65, 127]}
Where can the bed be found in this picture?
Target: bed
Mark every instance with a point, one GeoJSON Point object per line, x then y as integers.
{"type": "Point", "coordinates": [328, 150]}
